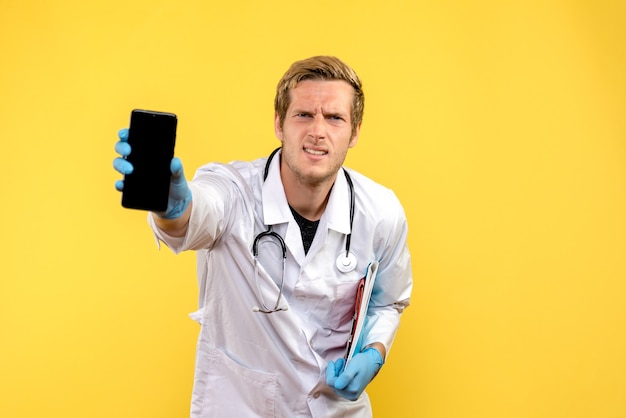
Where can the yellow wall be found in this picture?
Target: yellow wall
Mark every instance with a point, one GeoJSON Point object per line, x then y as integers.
{"type": "Point", "coordinates": [501, 125]}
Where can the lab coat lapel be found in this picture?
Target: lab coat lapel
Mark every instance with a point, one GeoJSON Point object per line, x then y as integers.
{"type": "Point", "coordinates": [276, 212]}
{"type": "Point", "coordinates": [338, 207]}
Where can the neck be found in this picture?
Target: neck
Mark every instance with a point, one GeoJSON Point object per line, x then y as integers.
{"type": "Point", "coordinates": [307, 199]}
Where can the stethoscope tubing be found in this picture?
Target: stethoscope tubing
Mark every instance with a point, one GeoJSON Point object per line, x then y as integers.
{"type": "Point", "coordinates": [345, 263]}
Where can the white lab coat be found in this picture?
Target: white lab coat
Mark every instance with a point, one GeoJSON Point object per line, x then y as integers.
{"type": "Point", "coordinates": [251, 364]}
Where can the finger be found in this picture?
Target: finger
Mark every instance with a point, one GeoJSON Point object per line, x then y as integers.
{"type": "Point", "coordinates": [339, 364]}
{"type": "Point", "coordinates": [122, 134]}
{"type": "Point", "coordinates": [331, 374]}
{"type": "Point", "coordinates": [119, 185]}
{"type": "Point", "coordinates": [344, 379]}
{"type": "Point", "coordinates": [122, 166]}
{"type": "Point", "coordinates": [122, 148]}
{"type": "Point", "coordinates": [176, 167]}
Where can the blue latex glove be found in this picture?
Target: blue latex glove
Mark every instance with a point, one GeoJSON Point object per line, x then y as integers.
{"type": "Point", "coordinates": [180, 194]}
{"type": "Point", "coordinates": [350, 382]}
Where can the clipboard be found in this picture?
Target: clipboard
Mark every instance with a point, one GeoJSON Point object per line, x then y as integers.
{"type": "Point", "coordinates": [362, 300]}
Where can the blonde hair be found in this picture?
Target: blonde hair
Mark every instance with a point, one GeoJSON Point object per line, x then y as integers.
{"type": "Point", "coordinates": [324, 68]}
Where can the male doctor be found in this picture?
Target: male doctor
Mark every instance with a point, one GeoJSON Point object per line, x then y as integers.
{"type": "Point", "coordinates": [281, 245]}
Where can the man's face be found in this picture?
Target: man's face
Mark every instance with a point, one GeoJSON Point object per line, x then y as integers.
{"type": "Point", "coordinates": [317, 131]}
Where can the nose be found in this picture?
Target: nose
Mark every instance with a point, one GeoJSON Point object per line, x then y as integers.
{"type": "Point", "coordinates": [317, 129]}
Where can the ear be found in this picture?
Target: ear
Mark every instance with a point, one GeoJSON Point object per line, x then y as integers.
{"type": "Point", "coordinates": [278, 131]}
{"type": "Point", "coordinates": [355, 138]}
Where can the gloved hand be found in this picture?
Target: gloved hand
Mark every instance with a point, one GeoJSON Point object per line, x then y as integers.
{"type": "Point", "coordinates": [358, 373]}
{"type": "Point", "coordinates": [180, 194]}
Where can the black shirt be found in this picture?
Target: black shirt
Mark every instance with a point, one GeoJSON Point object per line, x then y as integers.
{"type": "Point", "coordinates": [307, 229]}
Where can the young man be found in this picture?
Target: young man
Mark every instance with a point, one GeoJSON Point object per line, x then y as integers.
{"type": "Point", "coordinates": [278, 268]}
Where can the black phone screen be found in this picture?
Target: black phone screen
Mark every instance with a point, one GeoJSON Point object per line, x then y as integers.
{"type": "Point", "coordinates": [152, 136]}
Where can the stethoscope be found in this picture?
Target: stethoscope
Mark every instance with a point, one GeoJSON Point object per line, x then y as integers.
{"type": "Point", "coordinates": [346, 261]}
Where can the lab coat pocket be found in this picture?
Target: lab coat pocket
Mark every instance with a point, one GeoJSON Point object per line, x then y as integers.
{"type": "Point", "coordinates": [241, 391]}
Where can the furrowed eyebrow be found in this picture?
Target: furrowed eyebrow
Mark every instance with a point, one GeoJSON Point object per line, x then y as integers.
{"type": "Point", "coordinates": [327, 114]}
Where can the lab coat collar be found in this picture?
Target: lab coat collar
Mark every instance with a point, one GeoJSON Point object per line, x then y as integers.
{"type": "Point", "coordinates": [276, 209]}
{"type": "Point", "coordinates": [337, 211]}
{"type": "Point", "coordinates": [275, 206]}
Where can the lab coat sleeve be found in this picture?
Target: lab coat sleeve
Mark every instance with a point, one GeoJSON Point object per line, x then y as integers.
{"type": "Point", "coordinates": [393, 285]}
{"type": "Point", "coordinates": [214, 195]}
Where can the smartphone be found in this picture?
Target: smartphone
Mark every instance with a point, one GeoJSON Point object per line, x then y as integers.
{"type": "Point", "coordinates": [152, 137]}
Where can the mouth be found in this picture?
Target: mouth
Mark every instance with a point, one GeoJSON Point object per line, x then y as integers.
{"type": "Point", "coordinates": [314, 151]}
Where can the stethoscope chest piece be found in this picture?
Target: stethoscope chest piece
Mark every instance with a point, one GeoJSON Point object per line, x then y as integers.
{"type": "Point", "coordinates": [346, 262]}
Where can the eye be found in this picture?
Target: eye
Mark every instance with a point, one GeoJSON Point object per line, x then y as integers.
{"type": "Point", "coordinates": [335, 118]}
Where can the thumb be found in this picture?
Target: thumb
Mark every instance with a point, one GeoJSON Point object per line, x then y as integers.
{"type": "Point", "coordinates": [351, 370]}
{"type": "Point", "coordinates": [176, 167]}
{"type": "Point", "coordinates": [331, 375]}
{"type": "Point", "coordinates": [333, 370]}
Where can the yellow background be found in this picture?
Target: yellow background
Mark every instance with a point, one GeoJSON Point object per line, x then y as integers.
{"type": "Point", "coordinates": [501, 125]}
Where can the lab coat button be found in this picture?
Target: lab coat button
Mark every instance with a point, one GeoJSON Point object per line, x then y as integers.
{"type": "Point", "coordinates": [316, 395]}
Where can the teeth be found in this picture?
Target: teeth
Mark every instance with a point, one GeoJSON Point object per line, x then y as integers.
{"type": "Point", "coordinates": [310, 151]}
